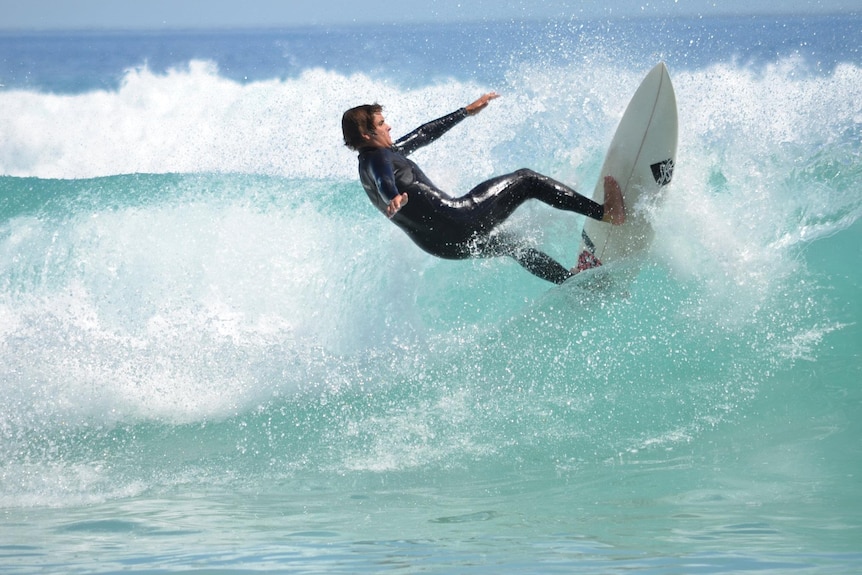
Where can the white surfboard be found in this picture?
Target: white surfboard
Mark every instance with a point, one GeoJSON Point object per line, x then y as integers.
{"type": "Point", "coordinates": [641, 158]}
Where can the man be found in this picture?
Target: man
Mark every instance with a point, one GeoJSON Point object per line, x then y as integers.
{"type": "Point", "coordinates": [464, 227]}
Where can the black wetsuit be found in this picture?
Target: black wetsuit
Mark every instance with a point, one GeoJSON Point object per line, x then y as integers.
{"type": "Point", "coordinates": [459, 228]}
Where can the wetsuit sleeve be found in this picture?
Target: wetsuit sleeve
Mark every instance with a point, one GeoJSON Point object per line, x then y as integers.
{"type": "Point", "coordinates": [427, 133]}
{"type": "Point", "coordinates": [381, 171]}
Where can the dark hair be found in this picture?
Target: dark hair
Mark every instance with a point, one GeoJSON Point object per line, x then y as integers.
{"type": "Point", "coordinates": [358, 122]}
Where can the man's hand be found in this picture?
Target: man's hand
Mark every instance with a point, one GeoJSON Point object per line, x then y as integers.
{"type": "Point", "coordinates": [481, 103]}
{"type": "Point", "coordinates": [395, 205]}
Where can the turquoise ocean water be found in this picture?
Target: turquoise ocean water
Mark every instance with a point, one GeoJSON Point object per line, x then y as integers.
{"type": "Point", "coordinates": [215, 356]}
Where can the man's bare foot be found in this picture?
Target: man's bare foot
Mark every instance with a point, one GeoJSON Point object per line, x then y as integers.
{"type": "Point", "coordinates": [615, 210]}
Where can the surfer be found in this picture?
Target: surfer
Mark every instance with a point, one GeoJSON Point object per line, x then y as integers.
{"type": "Point", "coordinates": [463, 227]}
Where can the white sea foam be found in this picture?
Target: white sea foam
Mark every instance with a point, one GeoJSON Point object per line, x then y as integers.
{"type": "Point", "coordinates": [195, 120]}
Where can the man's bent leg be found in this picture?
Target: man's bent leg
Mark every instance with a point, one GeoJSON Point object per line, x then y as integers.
{"type": "Point", "coordinates": [534, 261]}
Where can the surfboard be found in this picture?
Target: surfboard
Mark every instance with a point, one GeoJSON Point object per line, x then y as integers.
{"type": "Point", "coordinates": [641, 158]}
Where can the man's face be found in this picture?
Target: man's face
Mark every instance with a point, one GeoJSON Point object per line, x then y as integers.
{"type": "Point", "coordinates": [381, 137]}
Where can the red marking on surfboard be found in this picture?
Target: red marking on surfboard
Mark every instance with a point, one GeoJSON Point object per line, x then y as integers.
{"type": "Point", "coordinates": [587, 260]}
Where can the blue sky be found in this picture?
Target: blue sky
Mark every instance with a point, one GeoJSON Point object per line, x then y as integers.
{"type": "Point", "coordinates": [43, 14]}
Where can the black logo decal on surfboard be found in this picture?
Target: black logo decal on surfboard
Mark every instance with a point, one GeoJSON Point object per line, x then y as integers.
{"type": "Point", "coordinates": [662, 172]}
